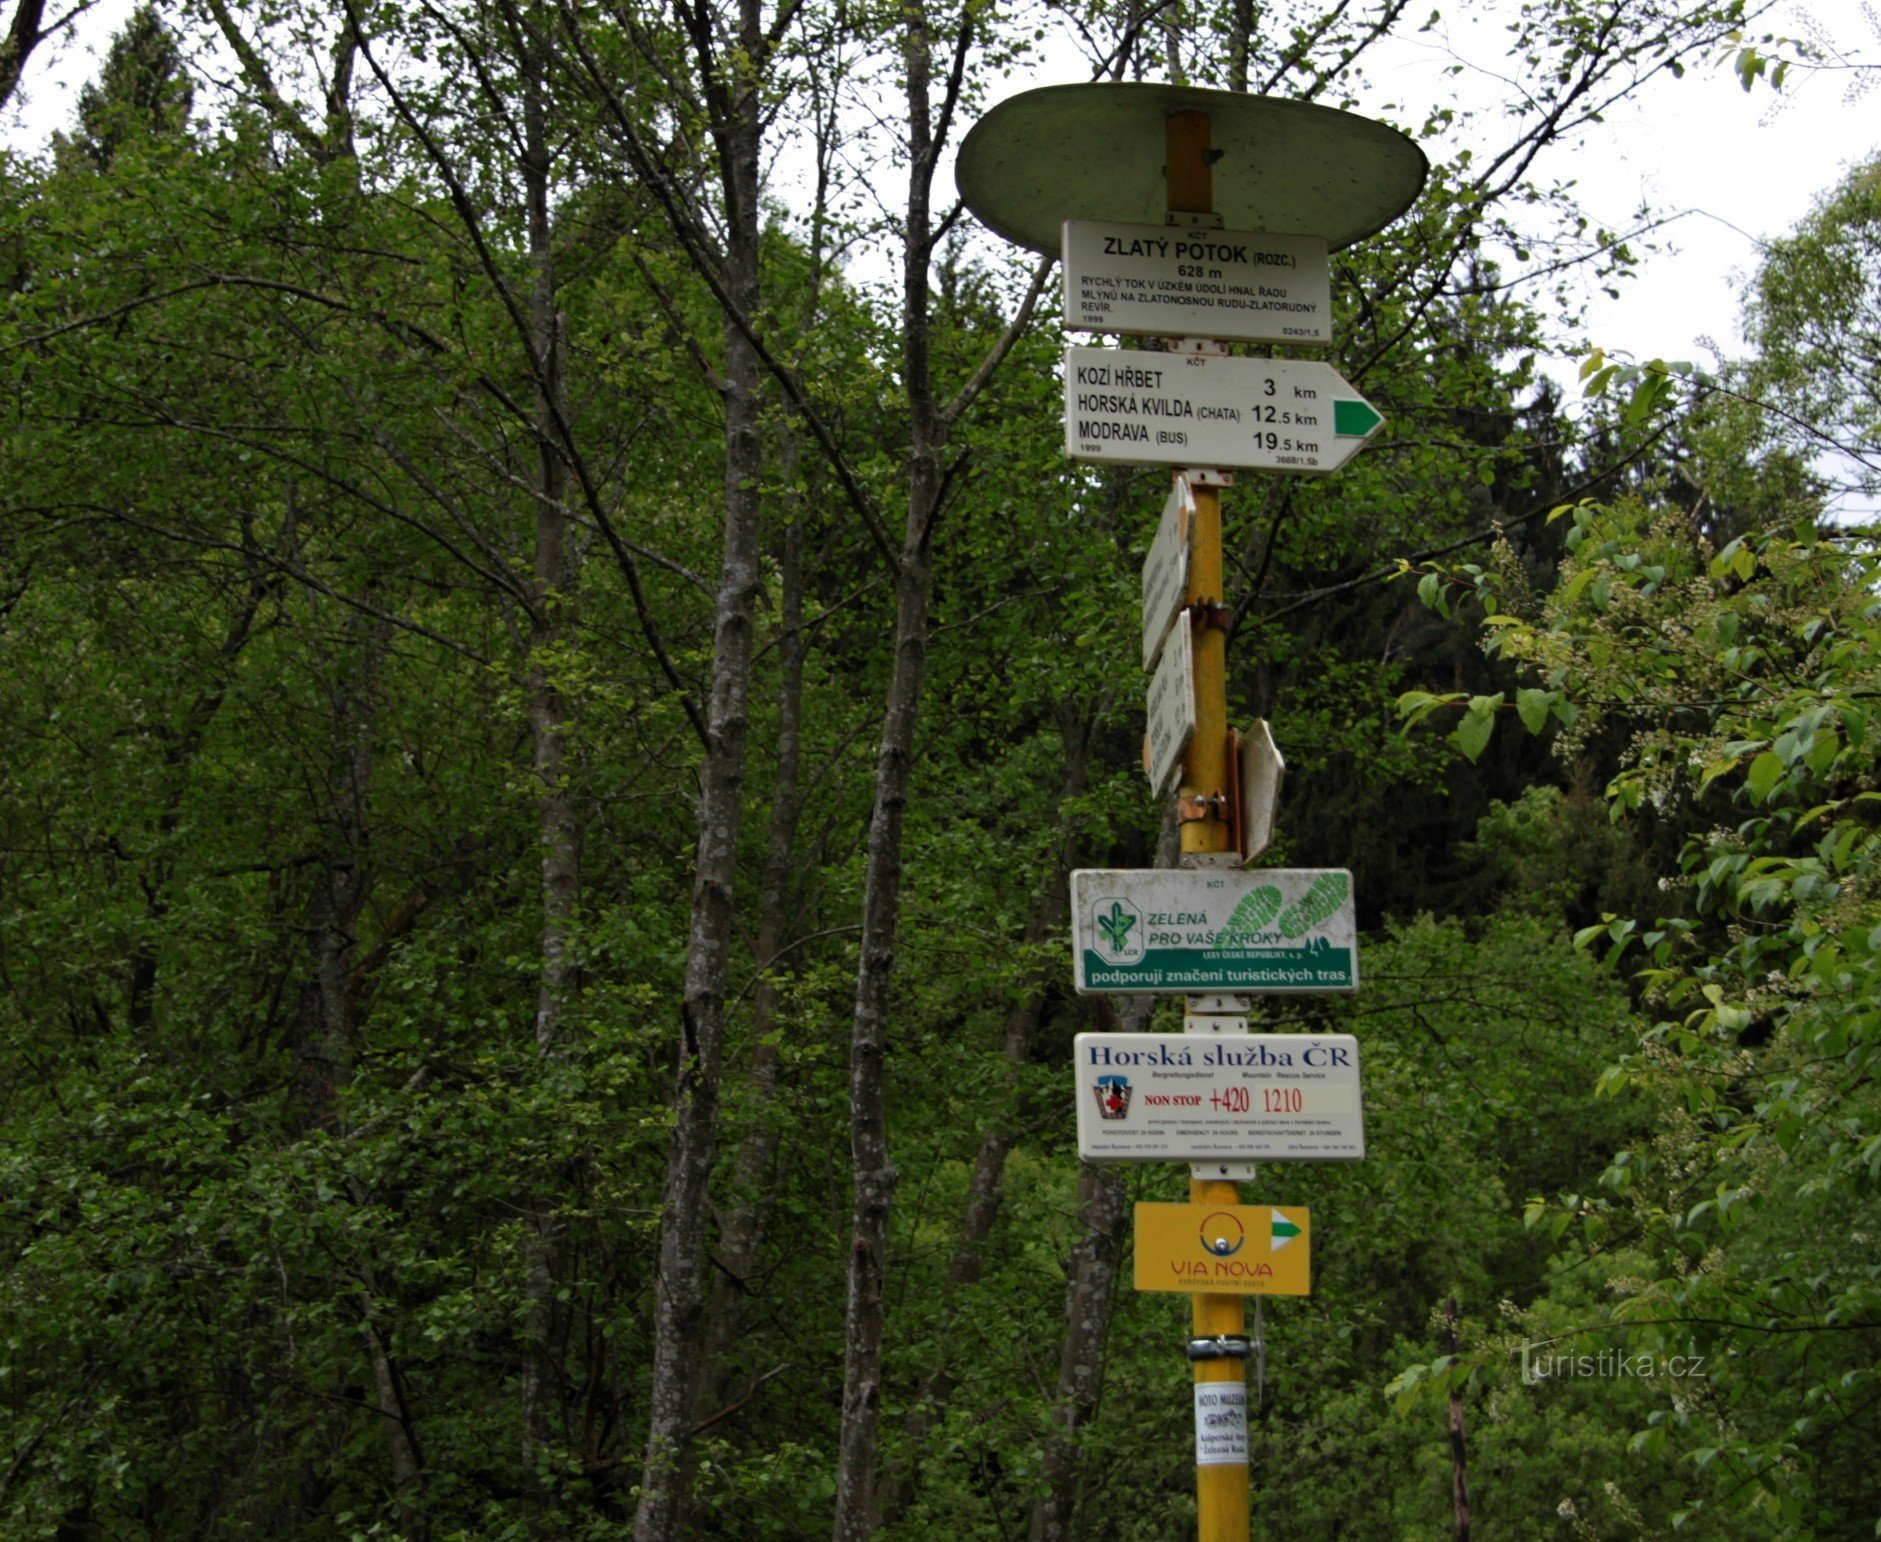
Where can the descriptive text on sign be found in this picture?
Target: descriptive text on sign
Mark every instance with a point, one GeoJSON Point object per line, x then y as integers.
{"type": "Point", "coordinates": [1225, 1096]}
{"type": "Point", "coordinates": [1173, 930]}
{"type": "Point", "coordinates": [1229, 1250]}
{"type": "Point", "coordinates": [1234, 285]}
{"type": "Point", "coordinates": [1221, 1424]}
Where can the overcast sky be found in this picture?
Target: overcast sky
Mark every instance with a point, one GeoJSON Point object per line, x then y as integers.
{"type": "Point", "coordinates": [1731, 168]}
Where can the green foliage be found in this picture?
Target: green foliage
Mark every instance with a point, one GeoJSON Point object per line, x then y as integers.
{"type": "Point", "coordinates": [1743, 676]}
{"type": "Point", "coordinates": [141, 91]}
{"type": "Point", "coordinates": [289, 1186]}
{"type": "Point", "coordinates": [1814, 322]}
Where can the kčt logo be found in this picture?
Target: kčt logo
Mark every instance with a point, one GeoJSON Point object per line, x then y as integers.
{"type": "Point", "coordinates": [1119, 928]}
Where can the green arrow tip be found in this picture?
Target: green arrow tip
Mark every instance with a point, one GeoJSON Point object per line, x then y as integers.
{"type": "Point", "coordinates": [1354, 420]}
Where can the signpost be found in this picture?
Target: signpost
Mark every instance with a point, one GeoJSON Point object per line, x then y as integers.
{"type": "Point", "coordinates": [1236, 285]}
{"type": "Point", "coordinates": [1234, 1096]}
{"type": "Point", "coordinates": [1253, 193]}
{"type": "Point", "coordinates": [1168, 930]}
{"type": "Point", "coordinates": [1149, 409]}
{"type": "Point", "coordinates": [1166, 570]}
{"type": "Point", "coordinates": [1171, 711]}
{"type": "Point", "coordinates": [1246, 1250]}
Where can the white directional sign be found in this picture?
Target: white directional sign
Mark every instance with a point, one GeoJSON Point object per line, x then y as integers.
{"type": "Point", "coordinates": [1166, 570]}
{"type": "Point", "coordinates": [1139, 408]}
{"type": "Point", "coordinates": [1261, 770]}
{"type": "Point", "coordinates": [1172, 930]}
{"type": "Point", "coordinates": [1171, 714]}
{"type": "Point", "coordinates": [1233, 1097]}
{"type": "Point", "coordinates": [1177, 282]}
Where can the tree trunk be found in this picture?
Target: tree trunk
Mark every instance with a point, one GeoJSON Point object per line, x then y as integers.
{"type": "Point", "coordinates": [26, 33]}
{"type": "Point", "coordinates": [1090, 1277]}
{"type": "Point", "coordinates": [873, 1175]}
{"type": "Point", "coordinates": [742, 1231]}
{"type": "Point", "coordinates": [557, 835]}
{"type": "Point", "coordinates": [680, 1289]}
{"type": "Point", "coordinates": [321, 1024]}
{"type": "Point", "coordinates": [1047, 921]}
{"type": "Point", "coordinates": [985, 1186]}
{"type": "Point", "coordinates": [401, 1436]}
{"type": "Point", "coordinates": [1240, 42]}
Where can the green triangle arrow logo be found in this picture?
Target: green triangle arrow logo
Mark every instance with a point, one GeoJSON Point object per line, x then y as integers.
{"type": "Point", "coordinates": [1354, 420]}
{"type": "Point", "coordinates": [1282, 1230]}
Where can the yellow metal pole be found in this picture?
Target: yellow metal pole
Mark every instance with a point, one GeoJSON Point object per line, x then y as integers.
{"type": "Point", "coordinates": [1191, 190]}
{"type": "Point", "coordinates": [1221, 1489]}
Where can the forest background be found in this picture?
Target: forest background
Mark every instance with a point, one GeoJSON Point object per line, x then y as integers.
{"type": "Point", "coordinates": [548, 695]}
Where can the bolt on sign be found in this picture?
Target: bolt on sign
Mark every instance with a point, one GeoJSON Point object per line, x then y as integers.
{"type": "Point", "coordinates": [1174, 931]}
{"type": "Point", "coordinates": [1235, 285]}
{"type": "Point", "coordinates": [1236, 1250]}
{"type": "Point", "coordinates": [1226, 1096]}
{"type": "Point", "coordinates": [1138, 408]}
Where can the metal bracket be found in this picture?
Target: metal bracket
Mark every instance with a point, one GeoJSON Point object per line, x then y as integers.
{"type": "Point", "coordinates": [1194, 1022]}
{"type": "Point", "coordinates": [1195, 221]}
{"type": "Point", "coordinates": [1220, 1004]}
{"type": "Point", "coordinates": [1223, 1172]}
{"type": "Point", "coordinates": [1202, 476]}
{"type": "Point", "coordinates": [1192, 807]}
{"type": "Point", "coordinates": [1222, 1347]}
{"type": "Point", "coordinates": [1226, 861]}
{"type": "Point", "coordinates": [1209, 613]}
{"type": "Point", "coordinates": [1260, 1358]}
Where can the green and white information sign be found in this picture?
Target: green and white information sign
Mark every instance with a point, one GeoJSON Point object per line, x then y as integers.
{"type": "Point", "coordinates": [1173, 930]}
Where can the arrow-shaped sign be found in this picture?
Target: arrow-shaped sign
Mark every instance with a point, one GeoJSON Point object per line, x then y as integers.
{"type": "Point", "coordinates": [1137, 408]}
{"type": "Point", "coordinates": [1283, 1231]}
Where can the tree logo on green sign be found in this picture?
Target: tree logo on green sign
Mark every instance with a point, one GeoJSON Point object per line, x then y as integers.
{"type": "Point", "coordinates": [1119, 927]}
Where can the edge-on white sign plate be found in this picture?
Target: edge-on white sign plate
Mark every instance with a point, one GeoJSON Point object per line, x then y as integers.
{"type": "Point", "coordinates": [1171, 281]}
{"type": "Point", "coordinates": [1228, 1097]}
{"type": "Point", "coordinates": [1171, 930]}
{"type": "Point", "coordinates": [1170, 710]}
{"type": "Point", "coordinates": [1166, 570]}
{"type": "Point", "coordinates": [1262, 770]}
{"type": "Point", "coordinates": [1131, 407]}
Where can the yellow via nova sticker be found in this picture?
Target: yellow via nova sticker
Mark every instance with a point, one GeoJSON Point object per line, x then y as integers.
{"type": "Point", "coordinates": [1224, 1250]}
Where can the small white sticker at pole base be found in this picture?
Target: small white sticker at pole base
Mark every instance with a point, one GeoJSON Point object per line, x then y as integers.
{"type": "Point", "coordinates": [1220, 1423]}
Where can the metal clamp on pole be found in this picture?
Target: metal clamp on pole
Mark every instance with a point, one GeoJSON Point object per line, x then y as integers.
{"type": "Point", "coordinates": [1210, 613]}
{"type": "Point", "coordinates": [1196, 806]}
{"type": "Point", "coordinates": [1222, 1347]}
